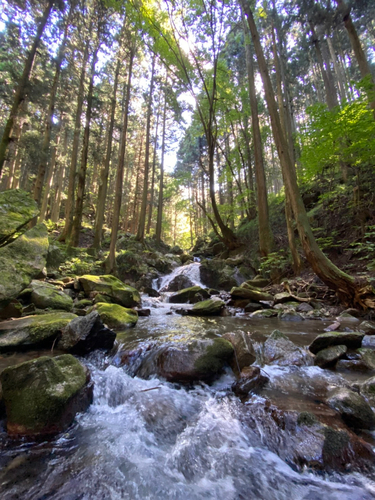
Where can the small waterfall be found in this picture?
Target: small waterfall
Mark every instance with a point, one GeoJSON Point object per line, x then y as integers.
{"type": "Point", "coordinates": [190, 272]}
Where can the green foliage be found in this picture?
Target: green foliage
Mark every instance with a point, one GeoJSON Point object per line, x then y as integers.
{"type": "Point", "coordinates": [366, 248]}
{"type": "Point", "coordinates": [343, 136]}
{"type": "Point", "coordinates": [275, 264]}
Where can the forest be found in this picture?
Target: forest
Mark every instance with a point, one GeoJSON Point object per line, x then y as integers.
{"type": "Point", "coordinates": [180, 121]}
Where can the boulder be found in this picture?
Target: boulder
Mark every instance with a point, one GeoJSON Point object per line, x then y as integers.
{"type": "Point", "coordinates": [44, 295]}
{"type": "Point", "coordinates": [42, 396]}
{"type": "Point", "coordinates": [304, 307]}
{"type": "Point", "coordinates": [264, 313]}
{"type": "Point", "coordinates": [116, 316]}
{"type": "Point", "coordinates": [180, 282]}
{"type": "Point", "coordinates": [189, 362]}
{"type": "Point", "coordinates": [85, 334]}
{"type": "Point", "coordinates": [32, 331]}
{"type": "Point", "coordinates": [368, 327]}
{"type": "Point", "coordinates": [258, 282]}
{"type": "Point", "coordinates": [249, 293]}
{"type": "Point", "coordinates": [10, 309]}
{"type": "Point", "coordinates": [187, 294]}
{"type": "Point", "coordinates": [329, 356]}
{"type": "Point", "coordinates": [22, 260]}
{"type": "Point", "coordinates": [111, 287]}
{"type": "Point", "coordinates": [250, 380]}
{"type": "Point", "coordinates": [282, 297]}
{"type": "Point", "coordinates": [17, 208]}
{"type": "Point", "coordinates": [352, 340]}
{"type": "Point", "coordinates": [353, 408]}
{"type": "Point", "coordinates": [367, 389]}
{"type": "Point", "coordinates": [243, 350]}
{"type": "Point", "coordinates": [362, 360]}
{"type": "Point", "coordinates": [289, 315]}
{"type": "Point", "coordinates": [279, 350]}
{"type": "Point", "coordinates": [210, 307]}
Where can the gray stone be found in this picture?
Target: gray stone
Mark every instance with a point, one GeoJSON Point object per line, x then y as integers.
{"type": "Point", "coordinates": [31, 331]}
{"type": "Point", "coordinates": [244, 354]}
{"type": "Point", "coordinates": [187, 294]}
{"type": "Point", "coordinates": [279, 350]}
{"type": "Point", "coordinates": [352, 340]}
{"type": "Point", "coordinates": [329, 357]}
{"type": "Point", "coordinates": [85, 334]}
{"type": "Point", "coordinates": [250, 380]}
{"type": "Point", "coordinates": [45, 295]}
{"type": "Point", "coordinates": [353, 408]}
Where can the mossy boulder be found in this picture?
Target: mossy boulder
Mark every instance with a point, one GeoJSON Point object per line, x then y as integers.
{"type": "Point", "coordinates": [329, 356]}
{"type": "Point", "coordinates": [279, 350]}
{"type": "Point", "coordinates": [352, 340]}
{"type": "Point", "coordinates": [264, 313]}
{"type": "Point", "coordinates": [42, 396]}
{"type": "Point", "coordinates": [85, 334]}
{"type": "Point", "coordinates": [10, 309]}
{"type": "Point", "coordinates": [353, 408]}
{"type": "Point", "coordinates": [187, 295]}
{"type": "Point", "coordinates": [210, 307]}
{"type": "Point", "coordinates": [31, 331]}
{"type": "Point", "coordinates": [250, 293]}
{"type": "Point", "coordinates": [198, 360]}
{"type": "Point", "coordinates": [116, 316]}
{"type": "Point", "coordinates": [22, 260]}
{"type": "Point", "coordinates": [44, 296]}
{"type": "Point", "coordinates": [111, 287]}
{"type": "Point", "coordinates": [17, 208]}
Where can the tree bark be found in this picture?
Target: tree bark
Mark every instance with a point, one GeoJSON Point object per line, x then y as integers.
{"type": "Point", "coordinates": [342, 283]}
{"type": "Point", "coordinates": [142, 218]}
{"type": "Point", "coordinates": [110, 263]}
{"type": "Point", "coordinates": [103, 183]}
{"type": "Point", "coordinates": [22, 86]}
{"type": "Point", "coordinates": [159, 219]}
{"type": "Point", "coordinates": [265, 234]}
{"type": "Point", "coordinates": [69, 209]}
{"type": "Point", "coordinates": [77, 221]}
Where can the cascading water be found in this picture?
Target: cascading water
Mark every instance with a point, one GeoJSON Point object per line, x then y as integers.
{"type": "Point", "coordinates": [190, 272]}
{"type": "Point", "coordinates": [149, 439]}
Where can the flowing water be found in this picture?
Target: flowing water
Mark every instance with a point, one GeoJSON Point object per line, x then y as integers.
{"type": "Point", "coordinates": [149, 439]}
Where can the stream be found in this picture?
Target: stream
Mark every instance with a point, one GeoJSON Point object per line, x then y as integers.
{"type": "Point", "coordinates": [149, 439]}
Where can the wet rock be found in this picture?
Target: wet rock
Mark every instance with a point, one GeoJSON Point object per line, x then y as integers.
{"type": "Point", "coordinates": [328, 357]}
{"type": "Point", "coordinates": [352, 340]}
{"type": "Point", "coordinates": [42, 396]}
{"type": "Point", "coordinates": [304, 307]}
{"type": "Point", "coordinates": [244, 354]}
{"type": "Point", "coordinates": [308, 439]}
{"type": "Point", "coordinates": [250, 380]}
{"type": "Point", "coordinates": [210, 307]}
{"type": "Point", "coordinates": [115, 316]}
{"type": "Point", "coordinates": [345, 317]}
{"type": "Point", "coordinates": [367, 389]}
{"type": "Point", "coordinates": [22, 260]}
{"type": "Point", "coordinates": [190, 362]}
{"type": "Point", "coordinates": [85, 334]}
{"type": "Point", "coordinates": [32, 331]}
{"type": "Point", "coordinates": [251, 307]}
{"type": "Point", "coordinates": [279, 350]}
{"type": "Point", "coordinates": [17, 208]}
{"type": "Point", "coordinates": [247, 293]}
{"type": "Point", "coordinates": [186, 295]}
{"type": "Point", "coordinates": [368, 327]}
{"type": "Point", "coordinates": [143, 312]}
{"type": "Point", "coordinates": [362, 360]}
{"type": "Point", "coordinates": [353, 408]}
{"type": "Point", "coordinates": [180, 282]}
{"type": "Point", "coordinates": [111, 287]}
{"type": "Point", "coordinates": [11, 309]}
{"type": "Point", "coordinates": [151, 292]}
{"type": "Point", "coordinates": [290, 316]}
{"type": "Point", "coordinates": [44, 295]}
{"type": "Point", "coordinates": [264, 313]}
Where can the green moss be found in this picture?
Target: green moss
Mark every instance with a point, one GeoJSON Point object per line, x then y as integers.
{"type": "Point", "coordinates": [276, 335]}
{"type": "Point", "coordinates": [214, 356]}
{"type": "Point", "coordinates": [36, 392]}
{"type": "Point", "coordinates": [115, 316]}
{"type": "Point", "coordinates": [17, 208]}
{"type": "Point", "coordinates": [112, 287]}
{"type": "Point", "coordinates": [208, 307]}
{"type": "Point", "coordinates": [48, 324]}
{"type": "Point", "coordinates": [335, 442]}
{"type": "Point", "coordinates": [307, 418]}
